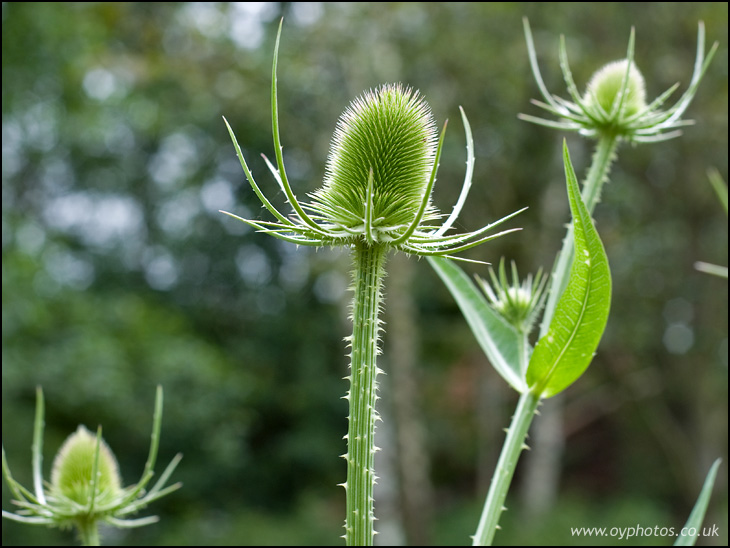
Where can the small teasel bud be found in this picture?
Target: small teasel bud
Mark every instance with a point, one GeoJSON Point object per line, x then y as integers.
{"type": "Point", "coordinates": [606, 83]}
{"type": "Point", "coordinates": [517, 302]}
{"type": "Point", "coordinates": [389, 132]}
{"type": "Point", "coordinates": [73, 466]}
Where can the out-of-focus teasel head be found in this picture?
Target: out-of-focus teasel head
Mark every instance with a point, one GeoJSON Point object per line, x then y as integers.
{"type": "Point", "coordinates": [72, 474]}
{"type": "Point", "coordinates": [86, 488]}
{"type": "Point", "coordinates": [607, 86]}
{"type": "Point", "coordinates": [614, 102]}
{"type": "Point", "coordinates": [380, 173]}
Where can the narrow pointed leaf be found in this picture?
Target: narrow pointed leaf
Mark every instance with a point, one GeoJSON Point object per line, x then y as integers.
{"type": "Point", "coordinates": [719, 185]}
{"type": "Point", "coordinates": [499, 340]}
{"type": "Point", "coordinates": [694, 522]}
{"type": "Point", "coordinates": [566, 350]}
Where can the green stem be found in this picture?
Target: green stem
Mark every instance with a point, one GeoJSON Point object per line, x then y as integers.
{"type": "Point", "coordinates": [89, 532]}
{"type": "Point", "coordinates": [603, 157]}
{"type": "Point", "coordinates": [368, 279]}
{"type": "Point", "coordinates": [513, 446]}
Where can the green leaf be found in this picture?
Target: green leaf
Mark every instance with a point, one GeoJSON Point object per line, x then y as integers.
{"type": "Point", "coordinates": [719, 185]}
{"type": "Point", "coordinates": [500, 341]}
{"type": "Point", "coordinates": [694, 522]}
{"type": "Point", "coordinates": [566, 350]}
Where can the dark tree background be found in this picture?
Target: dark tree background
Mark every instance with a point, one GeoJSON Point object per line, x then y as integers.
{"type": "Point", "coordinates": [118, 272]}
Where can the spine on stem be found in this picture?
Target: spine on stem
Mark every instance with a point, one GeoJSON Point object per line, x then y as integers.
{"type": "Point", "coordinates": [368, 280]}
{"type": "Point", "coordinates": [513, 446]}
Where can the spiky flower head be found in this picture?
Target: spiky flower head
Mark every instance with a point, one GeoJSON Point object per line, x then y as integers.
{"type": "Point", "coordinates": [72, 474]}
{"type": "Point", "coordinates": [606, 85]}
{"type": "Point", "coordinates": [378, 181]}
{"type": "Point", "coordinates": [85, 485]}
{"type": "Point", "coordinates": [615, 99]}
{"type": "Point", "coordinates": [391, 133]}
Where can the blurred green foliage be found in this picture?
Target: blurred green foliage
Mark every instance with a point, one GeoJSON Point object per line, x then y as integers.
{"type": "Point", "coordinates": [119, 273]}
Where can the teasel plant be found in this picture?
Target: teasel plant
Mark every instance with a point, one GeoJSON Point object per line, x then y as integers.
{"type": "Point", "coordinates": [86, 488]}
{"type": "Point", "coordinates": [612, 110]}
{"type": "Point", "coordinates": [375, 198]}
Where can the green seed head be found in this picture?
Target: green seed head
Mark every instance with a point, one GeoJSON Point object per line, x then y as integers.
{"type": "Point", "coordinates": [606, 84]}
{"type": "Point", "coordinates": [73, 467]}
{"type": "Point", "coordinates": [390, 131]}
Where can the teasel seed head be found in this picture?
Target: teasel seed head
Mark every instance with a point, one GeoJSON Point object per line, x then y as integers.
{"type": "Point", "coordinates": [72, 473]}
{"type": "Point", "coordinates": [606, 83]}
{"type": "Point", "coordinates": [390, 132]}
{"type": "Point", "coordinates": [614, 103]}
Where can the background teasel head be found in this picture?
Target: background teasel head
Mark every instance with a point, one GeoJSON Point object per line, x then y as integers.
{"type": "Point", "coordinates": [614, 102]}
{"type": "Point", "coordinates": [72, 472]}
{"type": "Point", "coordinates": [611, 86]}
{"type": "Point", "coordinates": [85, 486]}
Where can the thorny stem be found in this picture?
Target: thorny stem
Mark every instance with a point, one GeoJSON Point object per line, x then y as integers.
{"type": "Point", "coordinates": [603, 157]}
{"type": "Point", "coordinates": [368, 281]}
{"type": "Point", "coordinates": [513, 446]}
